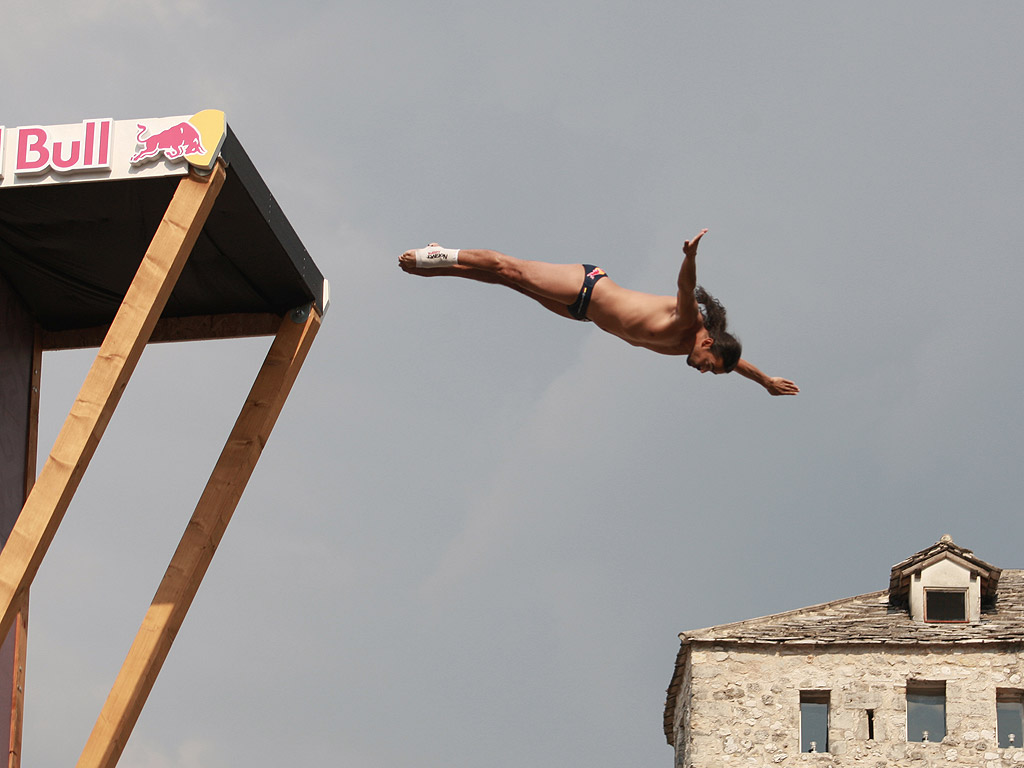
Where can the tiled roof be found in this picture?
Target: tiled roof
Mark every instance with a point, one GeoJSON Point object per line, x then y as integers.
{"type": "Point", "coordinates": [864, 619]}
{"type": "Point", "coordinates": [871, 619]}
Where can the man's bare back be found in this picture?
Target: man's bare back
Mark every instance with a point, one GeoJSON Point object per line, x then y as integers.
{"type": "Point", "coordinates": [642, 319]}
{"type": "Point", "coordinates": [668, 325]}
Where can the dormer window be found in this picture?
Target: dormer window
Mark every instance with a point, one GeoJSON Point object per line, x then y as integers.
{"type": "Point", "coordinates": [944, 584]}
{"type": "Point", "coordinates": [945, 605]}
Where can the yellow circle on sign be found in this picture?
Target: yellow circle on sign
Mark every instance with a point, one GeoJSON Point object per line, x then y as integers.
{"type": "Point", "coordinates": [212, 129]}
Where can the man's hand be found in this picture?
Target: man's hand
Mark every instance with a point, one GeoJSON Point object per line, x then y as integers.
{"type": "Point", "coordinates": [690, 246]}
{"type": "Point", "coordinates": [777, 386]}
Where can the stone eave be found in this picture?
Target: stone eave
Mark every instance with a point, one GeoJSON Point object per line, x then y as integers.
{"type": "Point", "coordinates": [809, 642]}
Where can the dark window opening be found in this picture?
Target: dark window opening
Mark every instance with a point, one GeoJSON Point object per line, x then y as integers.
{"type": "Point", "coordinates": [926, 710]}
{"type": "Point", "coordinates": [814, 721]}
{"type": "Point", "coordinates": [945, 605]}
{"type": "Point", "coordinates": [871, 723]}
{"type": "Point", "coordinates": [1009, 717]}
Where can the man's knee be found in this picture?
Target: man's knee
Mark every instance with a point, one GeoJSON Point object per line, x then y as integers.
{"type": "Point", "coordinates": [508, 267]}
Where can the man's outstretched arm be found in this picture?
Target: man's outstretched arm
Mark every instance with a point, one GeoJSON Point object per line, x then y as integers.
{"type": "Point", "coordinates": [686, 305]}
{"type": "Point", "coordinates": [774, 384]}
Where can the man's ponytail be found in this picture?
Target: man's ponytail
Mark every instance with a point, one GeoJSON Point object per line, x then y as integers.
{"type": "Point", "coordinates": [726, 346]}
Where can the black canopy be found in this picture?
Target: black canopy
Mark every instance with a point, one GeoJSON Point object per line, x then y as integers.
{"type": "Point", "coordinates": [71, 250]}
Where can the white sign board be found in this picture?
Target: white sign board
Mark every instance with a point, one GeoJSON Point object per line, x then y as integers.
{"type": "Point", "coordinates": [105, 149]}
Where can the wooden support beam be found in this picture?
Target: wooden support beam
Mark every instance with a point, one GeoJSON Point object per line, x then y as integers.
{"type": "Point", "coordinates": [18, 693]}
{"type": "Point", "coordinates": [21, 619]}
{"type": "Point", "coordinates": [200, 328]}
{"type": "Point", "coordinates": [33, 413]}
{"type": "Point", "coordinates": [114, 364]}
{"type": "Point", "coordinates": [195, 551]}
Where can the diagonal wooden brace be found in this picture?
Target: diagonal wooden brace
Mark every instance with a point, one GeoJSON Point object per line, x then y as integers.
{"type": "Point", "coordinates": [199, 542]}
{"type": "Point", "coordinates": [114, 364]}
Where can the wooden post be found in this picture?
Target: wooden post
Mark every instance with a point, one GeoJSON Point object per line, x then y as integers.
{"type": "Point", "coordinates": [18, 692]}
{"type": "Point", "coordinates": [21, 619]}
{"type": "Point", "coordinates": [114, 364]}
{"type": "Point", "coordinates": [199, 542]}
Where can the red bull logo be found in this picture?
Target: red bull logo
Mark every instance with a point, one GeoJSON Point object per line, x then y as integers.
{"type": "Point", "coordinates": [197, 139]}
{"type": "Point", "coordinates": [177, 141]}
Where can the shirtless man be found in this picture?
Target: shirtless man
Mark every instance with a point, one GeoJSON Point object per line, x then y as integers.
{"type": "Point", "coordinates": [691, 323]}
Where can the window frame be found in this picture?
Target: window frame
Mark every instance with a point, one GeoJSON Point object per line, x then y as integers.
{"type": "Point", "coordinates": [815, 697]}
{"type": "Point", "coordinates": [1014, 697]}
{"type": "Point", "coordinates": [925, 689]}
{"type": "Point", "coordinates": [961, 592]}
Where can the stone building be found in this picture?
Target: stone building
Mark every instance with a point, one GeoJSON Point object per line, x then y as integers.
{"type": "Point", "coordinates": [925, 673]}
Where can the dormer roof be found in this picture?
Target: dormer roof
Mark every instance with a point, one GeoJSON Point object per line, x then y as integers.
{"type": "Point", "coordinates": [902, 574]}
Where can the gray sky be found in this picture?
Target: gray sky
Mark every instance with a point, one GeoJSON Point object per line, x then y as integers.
{"type": "Point", "coordinates": [478, 528]}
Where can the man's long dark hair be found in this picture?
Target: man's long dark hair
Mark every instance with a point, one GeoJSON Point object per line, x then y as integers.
{"type": "Point", "coordinates": [726, 345]}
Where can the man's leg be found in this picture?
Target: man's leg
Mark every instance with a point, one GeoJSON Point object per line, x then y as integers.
{"type": "Point", "coordinates": [558, 282]}
{"type": "Point", "coordinates": [483, 276]}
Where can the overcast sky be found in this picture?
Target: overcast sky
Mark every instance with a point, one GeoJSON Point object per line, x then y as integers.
{"type": "Point", "coordinates": [478, 528]}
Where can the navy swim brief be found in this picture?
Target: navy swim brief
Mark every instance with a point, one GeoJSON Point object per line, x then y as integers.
{"type": "Point", "coordinates": [591, 275]}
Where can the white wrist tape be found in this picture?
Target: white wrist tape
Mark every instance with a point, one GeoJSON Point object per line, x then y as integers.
{"type": "Point", "coordinates": [435, 256]}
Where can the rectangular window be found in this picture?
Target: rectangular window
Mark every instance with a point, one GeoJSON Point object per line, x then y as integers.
{"type": "Point", "coordinates": [814, 721]}
{"type": "Point", "coordinates": [926, 710]}
{"type": "Point", "coordinates": [1009, 717]}
{"type": "Point", "coordinates": [945, 605]}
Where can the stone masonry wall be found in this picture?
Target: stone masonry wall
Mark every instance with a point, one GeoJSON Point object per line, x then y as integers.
{"type": "Point", "coordinates": [740, 706]}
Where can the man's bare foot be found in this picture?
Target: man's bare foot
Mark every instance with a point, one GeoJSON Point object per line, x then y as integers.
{"type": "Point", "coordinates": [431, 257]}
{"type": "Point", "coordinates": [408, 259]}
